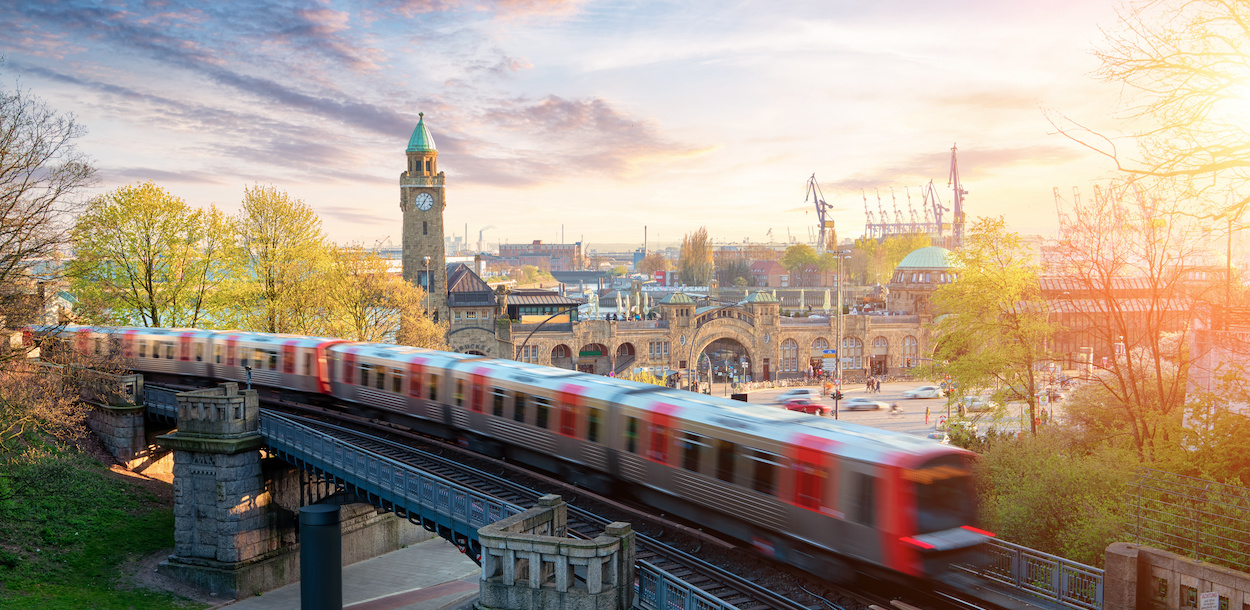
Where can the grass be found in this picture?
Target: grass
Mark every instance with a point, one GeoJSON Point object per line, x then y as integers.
{"type": "Point", "coordinates": [66, 527]}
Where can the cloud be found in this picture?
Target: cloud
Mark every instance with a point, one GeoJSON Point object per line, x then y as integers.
{"type": "Point", "coordinates": [356, 215]}
{"type": "Point", "coordinates": [126, 175]}
{"type": "Point", "coordinates": [973, 163]}
{"type": "Point", "coordinates": [501, 8]}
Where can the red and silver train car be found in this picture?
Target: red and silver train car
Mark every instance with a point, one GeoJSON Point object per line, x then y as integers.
{"type": "Point", "coordinates": [813, 492]}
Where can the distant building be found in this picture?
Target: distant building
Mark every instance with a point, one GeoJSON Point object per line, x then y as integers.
{"type": "Point", "coordinates": [548, 257]}
{"type": "Point", "coordinates": [770, 274]}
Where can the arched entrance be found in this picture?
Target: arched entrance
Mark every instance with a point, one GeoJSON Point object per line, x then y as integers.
{"type": "Point", "coordinates": [562, 357]}
{"type": "Point", "coordinates": [880, 356]}
{"type": "Point", "coordinates": [624, 358]}
{"type": "Point", "coordinates": [594, 358]}
{"type": "Point", "coordinates": [723, 362]}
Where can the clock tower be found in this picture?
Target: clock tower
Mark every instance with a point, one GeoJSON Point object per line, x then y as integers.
{"type": "Point", "coordinates": [421, 198]}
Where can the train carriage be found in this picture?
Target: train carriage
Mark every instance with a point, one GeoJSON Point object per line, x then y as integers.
{"type": "Point", "coordinates": [813, 492]}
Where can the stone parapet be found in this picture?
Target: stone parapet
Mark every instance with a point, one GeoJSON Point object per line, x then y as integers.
{"type": "Point", "coordinates": [529, 562]}
{"type": "Point", "coordinates": [121, 429]}
{"type": "Point", "coordinates": [1143, 578]}
{"type": "Point", "coordinates": [220, 412]}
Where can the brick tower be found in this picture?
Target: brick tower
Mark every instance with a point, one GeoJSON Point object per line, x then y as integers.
{"type": "Point", "coordinates": [421, 198]}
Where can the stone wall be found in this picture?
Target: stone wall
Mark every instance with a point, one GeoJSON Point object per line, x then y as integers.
{"type": "Point", "coordinates": [1143, 578]}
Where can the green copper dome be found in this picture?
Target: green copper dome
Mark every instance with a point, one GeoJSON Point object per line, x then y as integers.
{"type": "Point", "coordinates": [762, 297]}
{"type": "Point", "coordinates": [677, 298]}
{"type": "Point", "coordinates": [421, 140]}
{"type": "Point", "coordinates": [933, 257]}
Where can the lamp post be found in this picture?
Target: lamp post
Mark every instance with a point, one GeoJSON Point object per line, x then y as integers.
{"type": "Point", "coordinates": [837, 364]}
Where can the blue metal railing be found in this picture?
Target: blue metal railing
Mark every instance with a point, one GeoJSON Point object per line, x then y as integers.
{"type": "Point", "coordinates": [161, 402]}
{"type": "Point", "coordinates": [454, 511]}
{"type": "Point", "coordinates": [659, 590]}
{"type": "Point", "coordinates": [1054, 578]}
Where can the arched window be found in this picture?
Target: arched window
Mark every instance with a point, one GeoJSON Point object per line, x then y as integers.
{"type": "Point", "coordinates": [852, 353]}
{"type": "Point", "coordinates": [911, 352]}
{"type": "Point", "coordinates": [789, 356]}
{"type": "Point", "coordinates": [820, 344]}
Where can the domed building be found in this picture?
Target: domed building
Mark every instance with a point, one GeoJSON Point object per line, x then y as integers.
{"type": "Point", "coordinates": [916, 278]}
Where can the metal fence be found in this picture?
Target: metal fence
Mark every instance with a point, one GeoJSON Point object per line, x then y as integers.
{"type": "Point", "coordinates": [1072, 584]}
{"type": "Point", "coordinates": [1198, 518]}
{"type": "Point", "coordinates": [456, 511]}
{"type": "Point", "coordinates": [659, 590]}
{"type": "Point", "coordinates": [161, 402]}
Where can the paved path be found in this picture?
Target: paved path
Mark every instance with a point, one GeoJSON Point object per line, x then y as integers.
{"type": "Point", "coordinates": [430, 575]}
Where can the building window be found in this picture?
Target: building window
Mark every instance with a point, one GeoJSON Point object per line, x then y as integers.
{"type": "Point", "coordinates": [852, 353]}
{"type": "Point", "coordinates": [429, 164]}
{"type": "Point", "coordinates": [789, 356]}
{"type": "Point", "coordinates": [425, 227]}
{"type": "Point", "coordinates": [911, 352]}
{"type": "Point", "coordinates": [470, 315]}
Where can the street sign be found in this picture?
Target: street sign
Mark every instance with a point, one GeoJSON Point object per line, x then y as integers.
{"type": "Point", "coordinates": [830, 352]}
{"type": "Point", "coordinates": [1209, 601]}
{"type": "Point", "coordinates": [941, 422]}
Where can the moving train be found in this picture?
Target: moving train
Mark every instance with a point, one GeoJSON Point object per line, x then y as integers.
{"type": "Point", "coordinates": [823, 495]}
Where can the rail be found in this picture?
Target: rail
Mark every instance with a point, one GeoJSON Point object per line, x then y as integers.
{"type": "Point", "coordinates": [804, 321]}
{"type": "Point", "coordinates": [659, 590]}
{"type": "Point", "coordinates": [1072, 584]}
{"type": "Point", "coordinates": [162, 402]}
{"type": "Point", "coordinates": [454, 511]}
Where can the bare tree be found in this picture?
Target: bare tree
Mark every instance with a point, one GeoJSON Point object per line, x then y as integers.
{"type": "Point", "coordinates": [695, 262]}
{"type": "Point", "coordinates": [1134, 273]}
{"type": "Point", "coordinates": [1185, 64]}
{"type": "Point", "coordinates": [41, 172]}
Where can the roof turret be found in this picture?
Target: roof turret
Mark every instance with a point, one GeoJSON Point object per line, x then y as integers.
{"type": "Point", "coordinates": [762, 297]}
{"type": "Point", "coordinates": [677, 298]}
{"type": "Point", "coordinates": [421, 140]}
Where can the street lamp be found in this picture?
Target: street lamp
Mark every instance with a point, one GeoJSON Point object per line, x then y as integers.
{"type": "Point", "coordinates": [837, 364]}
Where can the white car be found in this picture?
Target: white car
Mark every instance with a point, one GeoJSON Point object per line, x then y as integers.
{"type": "Point", "coordinates": [789, 395]}
{"type": "Point", "coordinates": [859, 402]}
{"type": "Point", "coordinates": [926, 391]}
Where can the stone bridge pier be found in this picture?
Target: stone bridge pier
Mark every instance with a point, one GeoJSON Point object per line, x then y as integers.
{"type": "Point", "coordinates": [236, 510]}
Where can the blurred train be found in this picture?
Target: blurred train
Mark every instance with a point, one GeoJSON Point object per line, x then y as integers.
{"type": "Point", "coordinates": [804, 489]}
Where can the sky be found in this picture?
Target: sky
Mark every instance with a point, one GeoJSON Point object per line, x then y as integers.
{"type": "Point", "coordinates": [581, 120]}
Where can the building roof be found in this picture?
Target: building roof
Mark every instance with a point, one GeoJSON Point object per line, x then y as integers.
{"type": "Point", "coordinates": [677, 298]}
{"type": "Point", "coordinates": [539, 297]}
{"type": "Point", "coordinates": [933, 257]}
{"type": "Point", "coordinates": [421, 140]}
{"type": "Point", "coordinates": [768, 267]}
{"type": "Point", "coordinates": [466, 289]}
{"type": "Point", "coordinates": [761, 297]}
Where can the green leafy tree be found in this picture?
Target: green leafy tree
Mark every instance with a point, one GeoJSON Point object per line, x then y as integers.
{"type": "Point", "coordinates": [873, 262]}
{"type": "Point", "coordinates": [144, 257]}
{"type": "Point", "coordinates": [285, 265]}
{"type": "Point", "coordinates": [620, 271]}
{"type": "Point", "coordinates": [374, 305]}
{"type": "Point", "coordinates": [694, 262]}
{"type": "Point", "coordinates": [798, 255]}
{"type": "Point", "coordinates": [996, 328]}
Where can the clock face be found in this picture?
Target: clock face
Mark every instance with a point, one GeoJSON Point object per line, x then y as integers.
{"type": "Point", "coordinates": [424, 201]}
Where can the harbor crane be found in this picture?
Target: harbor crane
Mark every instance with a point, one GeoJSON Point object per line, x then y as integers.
{"type": "Point", "coordinates": [815, 196]}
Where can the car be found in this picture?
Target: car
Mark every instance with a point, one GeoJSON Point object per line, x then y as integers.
{"type": "Point", "coordinates": [924, 391]}
{"type": "Point", "coordinates": [789, 395]}
{"type": "Point", "coordinates": [940, 437]}
{"type": "Point", "coordinates": [974, 404]}
{"type": "Point", "coordinates": [861, 403]}
{"type": "Point", "coordinates": [807, 406]}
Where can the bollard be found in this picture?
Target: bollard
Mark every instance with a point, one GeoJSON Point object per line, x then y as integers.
{"type": "Point", "coordinates": [320, 558]}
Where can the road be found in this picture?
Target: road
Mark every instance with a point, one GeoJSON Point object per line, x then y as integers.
{"type": "Point", "coordinates": [911, 420]}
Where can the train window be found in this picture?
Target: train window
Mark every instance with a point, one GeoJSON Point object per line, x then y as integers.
{"type": "Point", "coordinates": [593, 418]}
{"type": "Point", "coordinates": [288, 359]}
{"type": "Point", "coordinates": [518, 407]}
{"type": "Point", "coordinates": [659, 443]}
{"type": "Point", "coordinates": [691, 445]}
{"type": "Point", "coordinates": [169, 351]}
{"type": "Point", "coordinates": [944, 494]}
{"type": "Point", "coordinates": [433, 387]}
{"type": "Point", "coordinates": [631, 434]}
{"type": "Point", "coordinates": [397, 381]}
{"type": "Point", "coordinates": [764, 472]}
{"type": "Point", "coordinates": [863, 506]}
{"type": "Point", "coordinates": [217, 353]}
{"type": "Point", "coordinates": [380, 382]}
{"type": "Point", "coordinates": [809, 480]}
{"type": "Point", "coordinates": [243, 357]}
{"type": "Point", "coordinates": [496, 402]}
{"type": "Point", "coordinates": [459, 392]}
{"type": "Point", "coordinates": [308, 362]}
{"type": "Point", "coordinates": [143, 349]}
{"type": "Point", "coordinates": [542, 411]}
{"type": "Point", "coordinates": [199, 352]}
{"type": "Point", "coordinates": [273, 360]}
{"type": "Point", "coordinates": [364, 374]}
{"type": "Point", "coordinates": [725, 451]}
